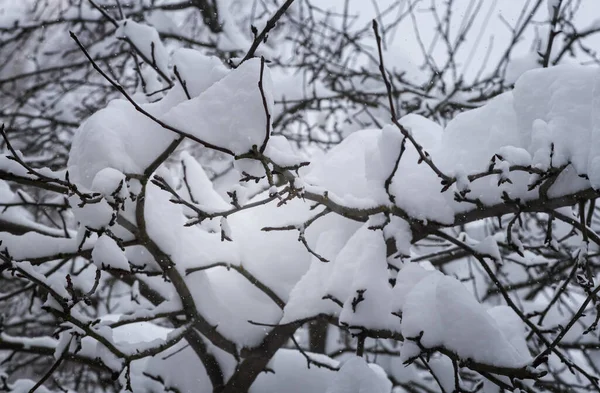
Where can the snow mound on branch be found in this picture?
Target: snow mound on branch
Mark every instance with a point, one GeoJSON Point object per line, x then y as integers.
{"type": "Point", "coordinates": [369, 302]}
{"type": "Point", "coordinates": [512, 327]}
{"type": "Point", "coordinates": [108, 254]}
{"type": "Point", "coordinates": [230, 114]}
{"type": "Point", "coordinates": [145, 38]}
{"type": "Point", "coordinates": [198, 187]}
{"type": "Point", "coordinates": [116, 137]}
{"type": "Point", "coordinates": [342, 170]}
{"type": "Point", "coordinates": [197, 70]}
{"type": "Point", "coordinates": [564, 101]}
{"type": "Point", "coordinates": [552, 117]}
{"type": "Point", "coordinates": [408, 277]}
{"type": "Point", "coordinates": [364, 245]}
{"type": "Point", "coordinates": [473, 137]}
{"type": "Point", "coordinates": [124, 139]}
{"type": "Point", "coordinates": [276, 258]}
{"type": "Point", "coordinates": [175, 367]}
{"type": "Point", "coordinates": [306, 298]}
{"type": "Point", "coordinates": [440, 312]}
{"type": "Point", "coordinates": [188, 247]}
{"type": "Point", "coordinates": [110, 183]}
{"type": "Point", "coordinates": [356, 376]}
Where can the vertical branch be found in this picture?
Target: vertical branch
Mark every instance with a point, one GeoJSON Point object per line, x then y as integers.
{"type": "Point", "coordinates": [552, 34]}
{"type": "Point", "coordinates": [265, 105]}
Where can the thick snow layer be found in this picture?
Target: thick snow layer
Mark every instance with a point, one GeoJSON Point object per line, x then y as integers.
{"type": "Point", "coordinates": [197, 71]}
{"type": "Point", "coordinates": [370, 297]}
{"type": "Point", "coordinates": [356, 376]}
{"type": "Point", "coordinates": [198, 187]}
{"type": "Point", "coordinates": [110, 183]}
{"type": "Point", "coordinates": [559, 105]}
{"type": "Point", "coordinates": [360, 248]}
{"type": "Point", "coordinates": [124, 139]}
{"type": "Point", "coordinates": [230, 114]}
{"type": "Point", "coordinates": [179, 367]}
{"type": "Point", "coordinates": [188, 247]}
{"type": "Point", "coordinates": [551, 113]}
{"type": "Point", "coordinates": [116, 137]}
{"type": "Point", "coordinates": [443, 369]}
{"type": "Point", "coordinates": [409, 276]}
{"type": "Point", "coordinates": [306, 298]}
{"type": "Point", "coordinates": [512, 328]}
{"type": "Point", "coordinates": [146, 40]}
{"type": "Point", "coordinates": [442, 310]}
{"type": "Point", "coordinates": [108, 254]}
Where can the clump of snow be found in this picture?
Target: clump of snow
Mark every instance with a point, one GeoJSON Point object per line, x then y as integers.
{"type": "Point", "coordinates": [519, 65]}
{"type": "Point", "coordinates": [356, 376]}
{"type": "Point", "coordinates": [199, 188]}
{"type": "Point", "coordinates": [108, 254]}
{"type": "Point", "coordinates": [556, 105]}
{"type": "Point", "coordinates": [92, 215]}
{"type": "Point", "coordinates": [443, 369]}
{"type": "Point", "coordinates": [197, 70]}
{"type": "Point", "coordinates": [439, 311]}
{"type": "Point", "coordinates": [117, 137]}
{"type": "Point", "coordinates": [281, 152]}
{"type": "Point", "coordinates": [229, 114]}
{"type": "Point", "coordinates": [146, 40]}
{"type": "Point", "coordinates": [399, 229]}
{"type": "Point", "coordinates": [515, 155]}
{"type": "Point", "coordinates": [369, 303]}
{"type": "Point", "coordinates": [110, 183]}
{"type": "Point", "coordinates": [306, 298]}
{"type": "Point", "coordinates": [512, 327]}
{"type": "Point", "coordinates": [408, 277]}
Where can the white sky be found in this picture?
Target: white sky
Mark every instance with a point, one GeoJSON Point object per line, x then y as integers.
{"type": "Point", "coordinates": [488, 24]}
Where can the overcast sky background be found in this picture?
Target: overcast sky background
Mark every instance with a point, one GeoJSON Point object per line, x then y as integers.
{"type": "Point", "coordinates": [488, 27]}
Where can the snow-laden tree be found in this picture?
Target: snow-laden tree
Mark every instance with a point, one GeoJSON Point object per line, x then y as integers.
{"type": "Point", "coordinates": [244, 196]}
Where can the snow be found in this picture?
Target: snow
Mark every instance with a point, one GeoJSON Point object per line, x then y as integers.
{"type": "Point", "coordinates": [512, 327]}
{"type": "Point", "coordinates": [557, 105]}
{"type": "Point", "coordinates": [550, 119]}
{"type": "Point", "coordinates": [442, 310]}
{"type": "Point", "coordinates": [306, 298]}
{"type": "Point", "coordinates": [369, 283]}
{"type": "Point", "coordinates": [281, 152]}
{"type": "Point", "coordinates": [356, 376]}
{"type": "Point", "coordinates": [399, 229]}
{"type": "Point", "coordinates": [20, 216]}
{"type": "Point", "coordinates": [519, 65]}
{"type": "Point", "coordinates": [188, 247]}
{"type": "Point", "coordinates": [229, 114]}
{"type": "Point", "coordinates": [409, 276]}
{"type": "Point", "coordinates": [110, 183]}
{"type": "Point", "coordinates": [362, 246]}
{"type": "Point", "coordinates": [201, 190]}
{"type": "Point", "coordinates": [443, 369]}
{"type": "Point", "coordinates": [108, 254]}
{"type": "Point", "coordinates": [146, 40]}
{"type": "Point", "coordinates": [191, 64]}
{"type": "Point", "coordinates": [116, 137]}
{"type": "Point", "coordinates": [548, 107]}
